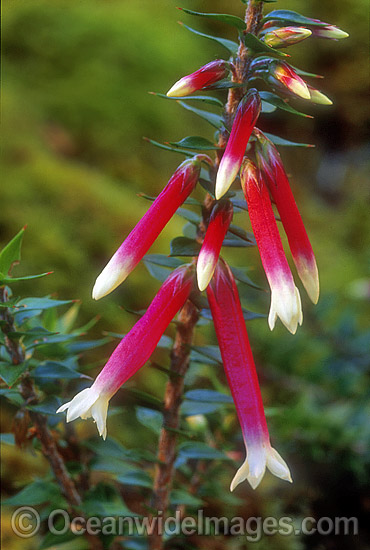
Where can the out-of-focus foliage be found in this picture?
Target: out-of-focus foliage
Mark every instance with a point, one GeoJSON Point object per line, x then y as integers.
{"type": "Point", "coordinates": [75, 107]}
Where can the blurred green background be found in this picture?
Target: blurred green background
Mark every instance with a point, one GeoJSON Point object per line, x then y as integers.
{"type": "Point", "coordinates": [75, 109]}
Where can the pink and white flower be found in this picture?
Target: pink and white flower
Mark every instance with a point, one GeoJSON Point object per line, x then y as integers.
{"type": "Point", "coordinates": [203, 77]}
{"type": "Point", "coordinates": [285, 298]}
{"type": "Point", "coordinates": [133, 351]}
{"type": "Point", "coordinates": [141, 238]}
{"type": "Point", "coordinates": [280, 76]}
{"type": "Point", "coordinates": [280, 37]}
{"type": "Point", "coordinates": [241, 373]}
{"type": "Point", "coordinates": [219, 223]}
{"type": "Point", "coordinates": [275, 177]}
{"type": "Point", "coordinates": [245, 119]}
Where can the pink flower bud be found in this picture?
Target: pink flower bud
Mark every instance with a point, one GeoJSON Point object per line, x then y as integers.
{"type": "Point", "coordinates": [241, 373]}
{"type": "Point", "coordinates": [245, 118]}
{"type": "Point", "coordinates": [219, 222]}
{"type": "Point", "coordinates": [203, 77]}
{"type": "Point", "coordinates": [280, 76]}
{"type": "Point", "coordinates": [280, 37]}
{"type": "Point", "coordinates": [133, 351]}
{"type": "Point", "coordinates": [329, 31]}
{"type": "Point", "coordinates": [285, 299]}
{"type": "Point", "coordinates": [149, 227]}
{"type": "Point", "coordinates": [272, 168]}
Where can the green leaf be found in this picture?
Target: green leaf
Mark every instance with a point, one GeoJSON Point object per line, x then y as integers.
{"type": "Point", "coordinates": [150, 418]}
{"type": "Point", "coordinates": [210, 355]}
{"type": "Point", "coordinates": [199, 450]}
{"type": "Point", "coordinates": [267, 107]}
{"type": "Point", "coordinates": [49, 406]}
{"type": "Point", "coordinates": [288, 16]}
{"type": "Point", "coordinates": [191, 408]}
{"type": "Point", "coordinates": [35, 493]}
{"type": "Point", "coordinates": [7, 280]}
{"type": "Point", "coordinates": [274, 99]}
{"type": "Point", "coordinates": [213, 119]}
{"type": "Point", "coordinates": [222, 17]}
{"type": "Point", "coordinates": [195, 142]}
{"type": "Point", "coordinates": [277, 140]}
{"type": "Point", "coordinates": [204, 98]}
{"type": "Point", "coordinates": [13, 396]}
{"type": "Point", "coordinates": [192, 217]}
{"type": "Point", "coordinates": [231, 46]}
{"type": "Point", "coordinates": [210, 396]}
{"type": "Point", "coordinates": [257, 46]}
{"type": "Point", "coordinates": [158, 265]}
{"type": "Point", "coordinates": [182, 246]}
{"type": "Point", "coordinates": [184, 498]}
{"type": "Point", "coordinates": [11, 253]}
{"type": "Point", "coordinates": [136, 477]}
{"type": "Point", "coordinates": [225, 85]}
{"type": "Point", "coordinates": [40, 303]}
{"type": "Point", "coordinates": [189, 200]}
{"type": "Point", "coordinates": [10, 373]}
{"type": "Point", "coordinates": [169, 147]}
{"type": "Point", "coordinates": [240, 275]}
{"type": "Point", "coordinates": [51, 370]}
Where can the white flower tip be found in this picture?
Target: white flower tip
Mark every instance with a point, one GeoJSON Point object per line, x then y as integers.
{"type": "Point", "coordinates": [205, 268]}
{"type": "Point", "coordinates": [89, 402]}
{"type": "Point", "coordinates": [226, 174]}
{"type": "Point", "coordinates": [179, 89]}
{"type": "Point", "coordinates": [300, 89]}
{"type": "Point", "coordinates": [110, 278]}
{"type": "Point", "coordinates": [277, 465]}
{"type": "Point", "coordinates": [286, 305]}
{"type": "Point", "coordinates": [309, 275]}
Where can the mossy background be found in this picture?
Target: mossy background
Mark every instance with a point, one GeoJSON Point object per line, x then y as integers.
{"type": "Point", "coordinates": [75, 109]}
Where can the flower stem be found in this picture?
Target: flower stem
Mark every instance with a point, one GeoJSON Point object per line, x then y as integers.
{"type": "Point", "coordinates": [180, 358]}
{"type": "Point", "coordinates": [189, 315]}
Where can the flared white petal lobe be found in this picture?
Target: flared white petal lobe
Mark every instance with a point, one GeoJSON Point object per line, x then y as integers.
{"type": "Point", "coordinates": [254, 466]}
{"type": "Point", "coordinates": [89, 403]}
{"type": "Point", "coordinates": [240, 476]}
{"type": "Point", "coordinates": [287, 306]}
{"type": "Point", "coordinates": [277, 465]}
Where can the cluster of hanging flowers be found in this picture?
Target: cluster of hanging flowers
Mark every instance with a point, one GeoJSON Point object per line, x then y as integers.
{"type": "Point", "coordinates": [251, 158]}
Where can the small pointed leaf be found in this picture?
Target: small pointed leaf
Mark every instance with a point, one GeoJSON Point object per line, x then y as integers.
{"type": "Point", "coordinates": [231, 46]}
{"type": "Point", "coordinates": [222, 17]}
{"type": "Point", "coordinates": [213, 119]}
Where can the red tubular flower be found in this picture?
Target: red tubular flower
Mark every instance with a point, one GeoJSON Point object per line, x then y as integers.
{"type": "Point", "coordinates": [219, 222]}
{"type": "Point", "coordinates": [271, 166]}
{"type": "Point", "coordinates": [203, 77]}
{"type": "Point", "coordinates": [285, 298]}
{"type": "Point", "coordinates": [245, 118]}
{"type": "Point", "coordinates": [149, 227]}
{"type": "Point", "coordinates": [241, 373]}
{"type": "Point", "coordinates": [133, 351]}
{"type": "Point", "coordinates": [280, 76]}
